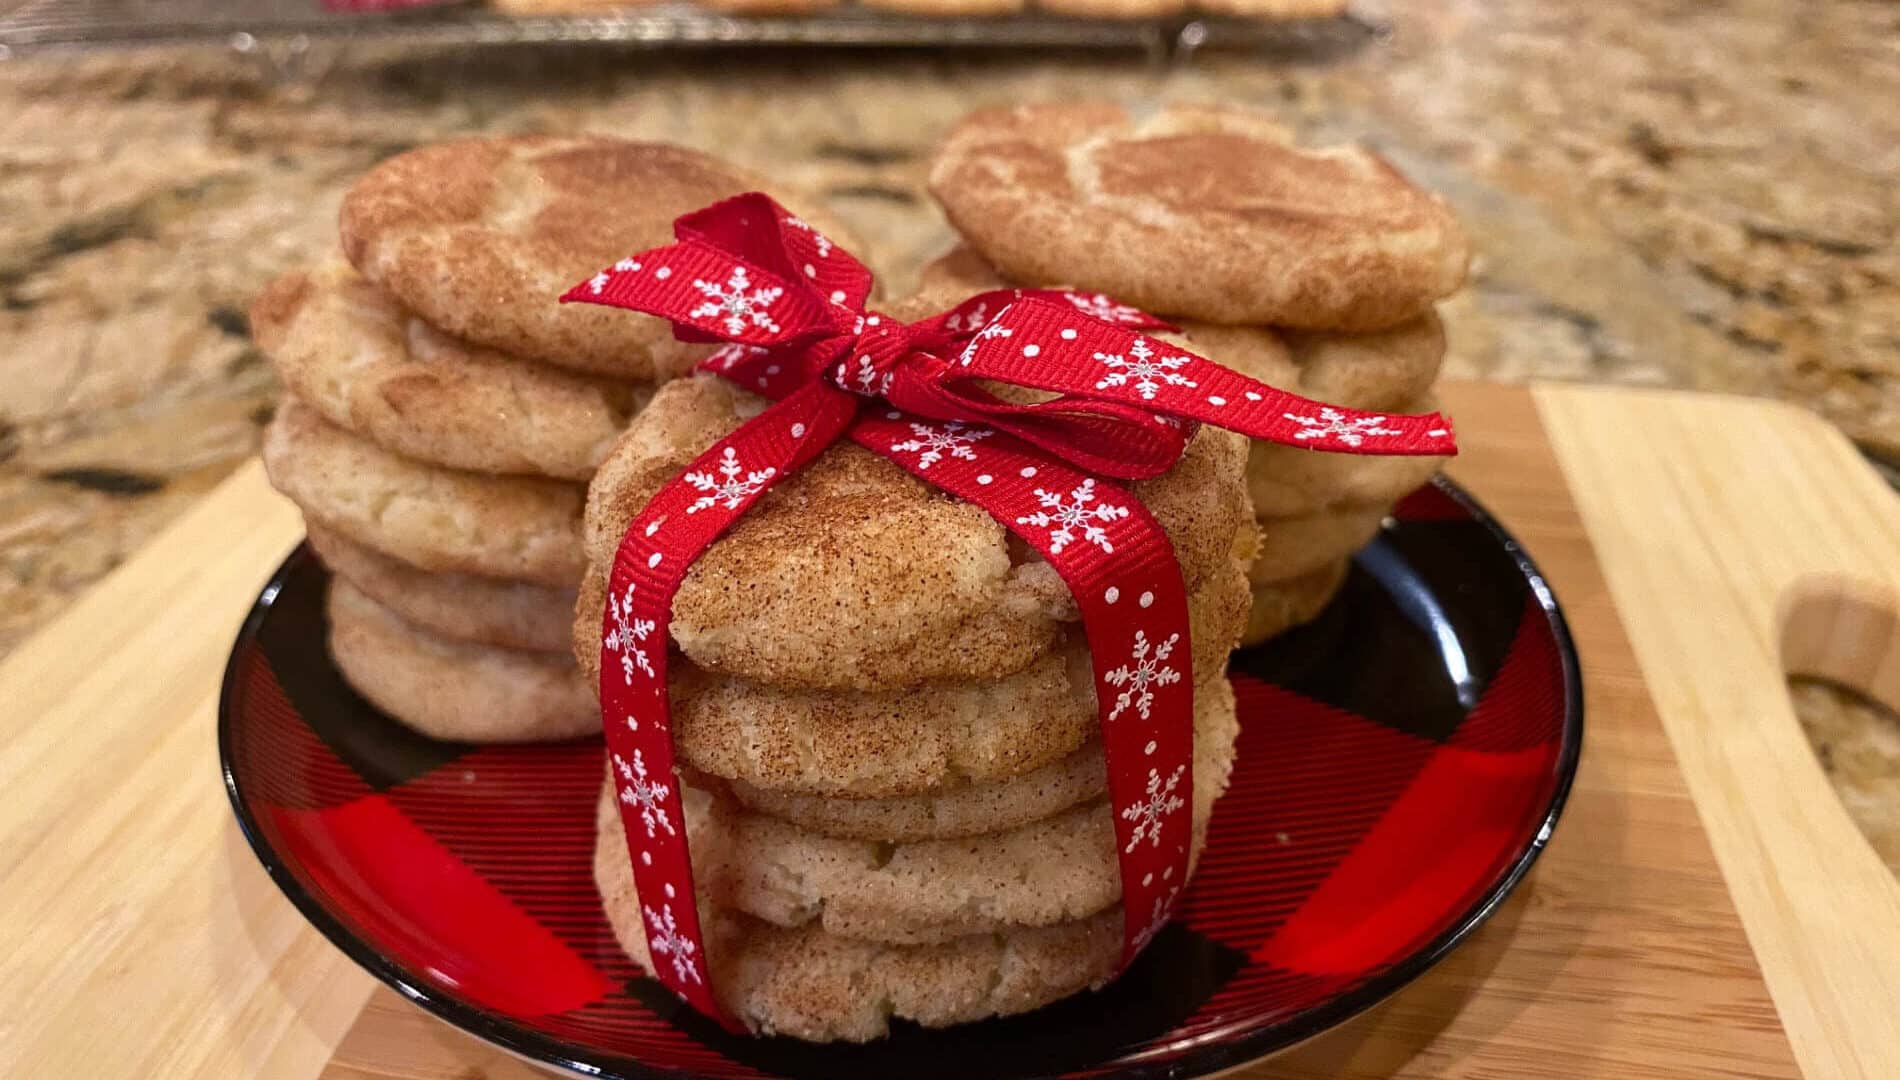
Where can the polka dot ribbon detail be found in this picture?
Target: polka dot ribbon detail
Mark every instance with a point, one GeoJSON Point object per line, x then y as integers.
{"type": "Point", "coordinates": [1118, 405]}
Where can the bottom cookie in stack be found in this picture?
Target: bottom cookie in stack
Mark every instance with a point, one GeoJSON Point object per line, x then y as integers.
{"type": "Point", "coordinates": [481, 610]}
{"type": "Point", "coordinates": [938, 932]}
{"type": "Point", "coordinates": [450, 689]}
{"type": "Point", "coordinates": [444, 609]}
{"type": "Point", "coordinates": [1279, 606]}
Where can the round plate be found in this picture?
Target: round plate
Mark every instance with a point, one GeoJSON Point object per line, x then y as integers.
{"type": "Point", "coordinates": [1401, 763]}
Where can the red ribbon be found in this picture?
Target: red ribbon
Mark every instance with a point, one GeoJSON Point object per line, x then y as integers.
{"type": "Point", "coordinates": [791, 305]}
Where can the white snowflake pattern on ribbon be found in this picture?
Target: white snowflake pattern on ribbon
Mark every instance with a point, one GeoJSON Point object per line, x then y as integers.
{"type": "Point", "coordinates": [1162, 909]}
{"type": "Point", "coordinates": [1102, 307]}
{"type": "Point", "coordinates": [737, 304]}
{"type": "Point", "coordinates": [1146, 670]}
{"type": "Point", "coordinates": [637, 789]}
{"type": "Point", "coordinates": [870, 382]}
{"type": "Point", "coordinates": [818, 238]}
{"type": "Point", "coordinates": [658, 721]}
{"type": "Point", "coordinates": [628, 636]}
{"type": "Point", "coordinates": [958, 322]}
{"type": "Point", "coordinates": [1076, 515]}
{"type": "Point", "coordinates": [598, 283]}
{"type": "Point", "coordinates": [733, 486]}
{"type": "Point", "coordinates": [933, 443]}
{"type": "Point", "coordinates": [1144, 370]}
{"type": "Point", "coordinates": [1333, 425]}
{"type": "Point", "coordinates": [993, 330]}
{"type": "Point", "coordinates": [664, 939]}
{"type": "Point", "coordinates": [1149, 812]}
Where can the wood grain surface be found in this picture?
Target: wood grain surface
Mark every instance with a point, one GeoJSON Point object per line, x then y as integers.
{"type": "Point", "coordinates": [142, 938]}
{"type": "Point", "coordinates": [1751, 541]}
{"type": "Point", "coordinates": [144, 941]}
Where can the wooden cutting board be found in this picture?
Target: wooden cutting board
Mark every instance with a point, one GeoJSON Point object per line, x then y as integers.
{"type": "Point", "coordinates": [1706, 908]}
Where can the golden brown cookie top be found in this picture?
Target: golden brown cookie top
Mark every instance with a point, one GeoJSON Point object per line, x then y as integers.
{"type": "Point", "coordinates": [853, 573]}
{"type": "Point", "coordinates": [1200, 212]}
{"type": "Point", "coordinates": [481, 237]}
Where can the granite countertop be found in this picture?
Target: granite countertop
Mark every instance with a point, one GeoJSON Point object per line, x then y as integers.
{"type": "Point", "coordinates": [1690, 194]}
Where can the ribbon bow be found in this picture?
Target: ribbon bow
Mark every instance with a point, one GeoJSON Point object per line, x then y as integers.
{"type": "Point", "coordinates": [1115, 404]}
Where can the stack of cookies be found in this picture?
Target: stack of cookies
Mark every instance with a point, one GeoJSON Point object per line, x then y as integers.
{"type": "Point", "coordinates": [886, 718]}
{"type": "Point", "coordinates": [1313, 270]}
{"type": "Point", "coordinates": [444, 413]}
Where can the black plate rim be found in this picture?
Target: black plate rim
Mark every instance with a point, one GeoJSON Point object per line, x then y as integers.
{"type": "Point", "coordinates": [534, 1046]}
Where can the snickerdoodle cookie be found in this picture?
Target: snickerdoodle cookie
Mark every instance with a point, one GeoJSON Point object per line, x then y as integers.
{"type": "Point", "coordinates": [1280, 606]}
{"type": "Point", "coordinates": [1381, 369]}
{"type": "Point", "coordinates": [932, 742]}
{"type": "Point", "coordinates": [1294, 547]}
{"type": "Point", "coordinates": [454, 690]}
{"type": "Point", "coordinates": [352, 353]}
{"type": "Point", "coordinates": [808, 981]}
{"type": "Point", "coordinates": [935, 587]}
{"type": "Point", "coordinates": [1054, 870]}
{"type": "Point", "coordinates": [808, 984]}
{"type": "Point", "coordinates": [1290, 481]}
{"type": "Point", "coordinates": [481, 236]}
{"type": "Point", "coordinates": [486, 611]}
{"type": "Point", "coordinates": [444, 520]}
{"type": "Point", "coordinates": [1207, 213]}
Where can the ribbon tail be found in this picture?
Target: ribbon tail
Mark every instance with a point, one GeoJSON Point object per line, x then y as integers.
{"type": "Point", "coordinates": [957, 325]}
{"type": "Point", "coordinates": [676, 527]}
{"type": "Point", "coordinates": [1058, 348]}
{"type": "Point", "coordinates": [1122, 570]}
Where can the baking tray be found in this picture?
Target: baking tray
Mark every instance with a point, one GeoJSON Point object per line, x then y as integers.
{"type": "Point", "coordinates": [47, 24]}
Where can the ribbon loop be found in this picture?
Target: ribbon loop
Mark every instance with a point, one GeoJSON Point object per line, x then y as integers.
{"type": "Point", "coordinates": [755, 228]}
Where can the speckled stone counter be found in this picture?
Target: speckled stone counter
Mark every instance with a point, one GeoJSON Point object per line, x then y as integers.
{"type": "Point", "coordinates": [1702, 195]}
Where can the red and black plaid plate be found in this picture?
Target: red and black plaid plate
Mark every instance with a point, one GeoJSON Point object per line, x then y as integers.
{"type": "Point", "coordinates": [1402, 762]}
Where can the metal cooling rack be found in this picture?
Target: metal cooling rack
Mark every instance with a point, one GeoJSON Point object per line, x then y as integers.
{"type": "Point", "coordinates": [255, 24]}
